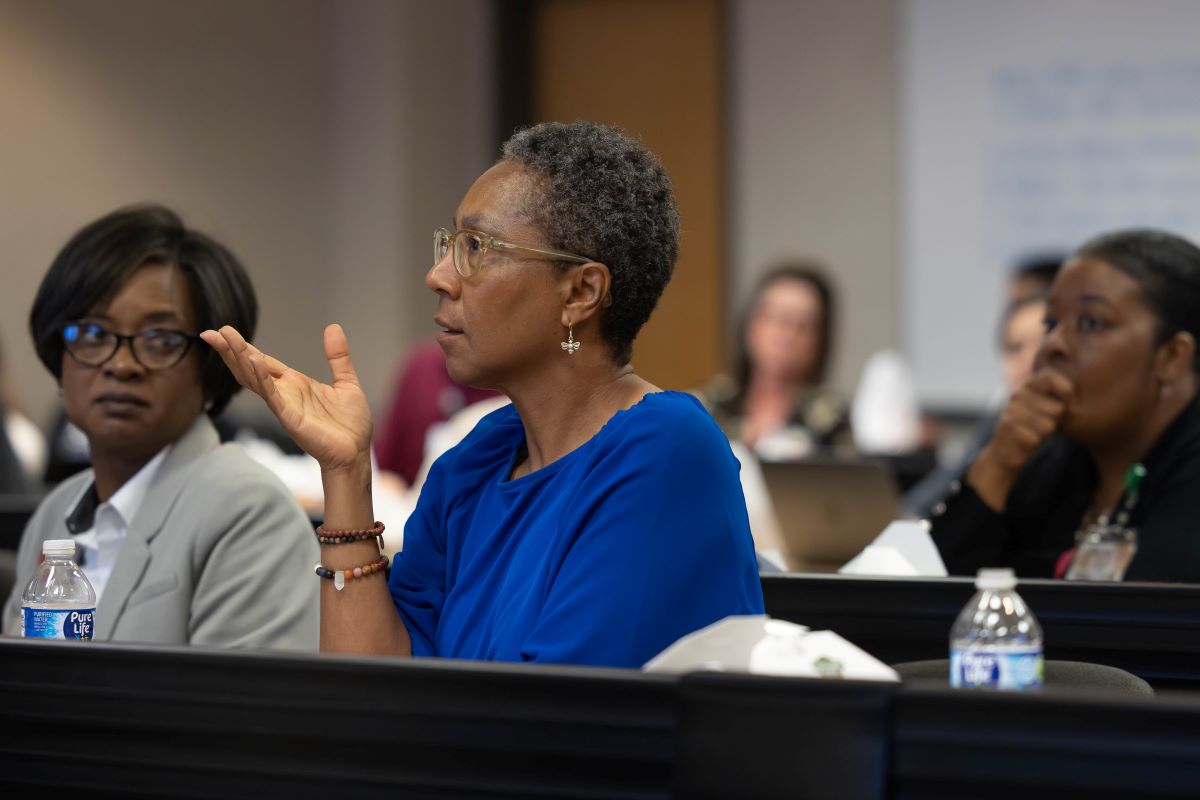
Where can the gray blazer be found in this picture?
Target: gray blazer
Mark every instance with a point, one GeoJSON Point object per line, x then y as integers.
{"type": "Point", "coordinates": [219, 554]}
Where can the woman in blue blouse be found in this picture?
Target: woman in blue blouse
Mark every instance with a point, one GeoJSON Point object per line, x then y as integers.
{"type": "Point", "coordinates": [593, 521]}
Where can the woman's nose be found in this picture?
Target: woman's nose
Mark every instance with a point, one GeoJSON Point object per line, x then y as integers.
{"type": "Point", "coordinates": [123, 363]}
{"type": "Point", "coordinates": [1053, 349]}
{"type": "Point", "coordinates": [442, 277]}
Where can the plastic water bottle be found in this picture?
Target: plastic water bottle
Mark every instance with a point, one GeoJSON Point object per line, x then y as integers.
{"type": "Point", "coordinates": [59, 602]}
{"type": "Point", "coordinates": [996, 641]}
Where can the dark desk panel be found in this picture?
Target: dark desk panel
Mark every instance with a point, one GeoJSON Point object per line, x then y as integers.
{"type": "Point", "coordinates": [1151, 630]}
{"type": "Point", "coordinates": [754, 736]}
{"type": "Point", "coordinates": [131, 722]}
{"type": "Point", "coordinates": [180, 723]}
{"type": "Point", "coordinates": [191, 723]}
{"type": "Point", "coordinates": [988, 746]}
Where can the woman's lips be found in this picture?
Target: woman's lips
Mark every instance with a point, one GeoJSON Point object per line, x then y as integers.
{"type": "Point", "coordinates": [447, 328]}
{"type": "Point", "coordinates": [120, 402]}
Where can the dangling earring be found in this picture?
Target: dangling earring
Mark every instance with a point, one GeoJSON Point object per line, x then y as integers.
{"type": "Point", "coordinates": [570, 345]}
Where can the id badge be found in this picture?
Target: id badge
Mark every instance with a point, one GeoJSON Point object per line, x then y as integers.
{"type": "Point", "coordinates": [1102, 559]}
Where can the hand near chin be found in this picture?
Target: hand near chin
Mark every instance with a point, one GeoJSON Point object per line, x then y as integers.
{"type": "Point", "coordinates": [329, 421]}
{"type": "Point", "coordinates": [1033, 414]}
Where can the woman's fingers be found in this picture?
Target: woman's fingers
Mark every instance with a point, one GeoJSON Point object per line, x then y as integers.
{"type": "Point", "coordinates": [337, 352]}
{"type": "Point", "coordinates": [239, 355]}
{"type": "Point", "coordinates": [275, 367]}
{"type": "Point", "coordinates": [1050, 383]}
{"type": "Point", "coordinates": [1045, 395]}
{"type": "Point", "coordinates": [219, 342]}
{"type": "Point", "coordinates": [266, 382]}
{"type": "Point", "coordinates": [1044, 406]}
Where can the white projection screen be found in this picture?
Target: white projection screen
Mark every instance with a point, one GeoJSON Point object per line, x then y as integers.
{"type": "Point", "coordinates": [1030, 125]}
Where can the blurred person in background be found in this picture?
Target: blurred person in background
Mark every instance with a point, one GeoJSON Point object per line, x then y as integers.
{"type": "Point", "coordinates": [22, 445]}
{"type": "Point", "coordinates": [424, 396]}
{"type": "Point", "coordinates": [1104, 436]}
{"type": "Point", "coordinates": [775, 402]}
{"type": "Point", "coordinates": [1034, 274]}
{"type": "Point", "coordinates": [1022, 325]}
{"type": "Point", "coordinates": [1021, 331]}
{"type": "Point", "coordinates": [186, 541]}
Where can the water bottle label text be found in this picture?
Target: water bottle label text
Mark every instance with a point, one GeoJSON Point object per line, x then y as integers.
{"type": "Point", "coordinates": [996, 668]}
{"type": "Point", "coordinates": [47, 623]}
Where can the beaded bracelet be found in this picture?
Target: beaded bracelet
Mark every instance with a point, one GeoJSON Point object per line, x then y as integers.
{"type": "Point", "coordinates": [340, 576]}
{"type": "Point", "coordinates": [326, 536]}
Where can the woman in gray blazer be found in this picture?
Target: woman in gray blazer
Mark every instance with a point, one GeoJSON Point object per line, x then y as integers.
{"type": "Point", "coordinates": [187, 541]}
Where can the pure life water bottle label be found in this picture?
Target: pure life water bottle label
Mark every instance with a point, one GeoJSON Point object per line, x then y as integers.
{"type": "Point", "coordinates": [1006, 668]}
{"type": "Point", "coordinates": [50, 623]}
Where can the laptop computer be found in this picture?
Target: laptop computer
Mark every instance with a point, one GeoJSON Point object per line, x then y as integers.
{"type": "Point", "coordinates": [828, 510]}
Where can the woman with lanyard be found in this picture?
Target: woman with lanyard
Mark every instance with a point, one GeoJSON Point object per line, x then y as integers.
{"type": "Point", "coordinates": [1094, 469]}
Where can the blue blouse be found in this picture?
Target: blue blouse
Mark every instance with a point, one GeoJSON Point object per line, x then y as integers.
{"type": "Point", "coordinates": [603, 557]}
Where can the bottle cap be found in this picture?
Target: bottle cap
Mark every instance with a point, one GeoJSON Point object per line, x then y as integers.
{"type": "Point", "coordinates": [995, 579]}
{"type": "Point", "coordinates": [58, 548]}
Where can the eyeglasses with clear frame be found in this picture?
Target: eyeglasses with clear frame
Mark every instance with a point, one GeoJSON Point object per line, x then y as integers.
{"type": "Point", "coordinates": [471, 246]}
{"type": "Point", "coordinates": [92, 345]}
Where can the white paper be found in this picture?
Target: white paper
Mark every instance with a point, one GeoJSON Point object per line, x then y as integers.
{"type": "Point", "coordinates": [905, 548]}
{"type": "Point", "coordinates": [726, 645]}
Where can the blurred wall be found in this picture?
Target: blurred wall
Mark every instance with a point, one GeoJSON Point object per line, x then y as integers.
{"type": "Point", "coordinates": [813, 157]}
{"type": "Point", "coordinates": [321, 140]}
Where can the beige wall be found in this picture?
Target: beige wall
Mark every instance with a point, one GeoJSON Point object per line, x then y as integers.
{"type": "Point", "coordinates": [813, 156]}
{"type": "Point", "coordinates": [411, 124]}
{"type": "Point", "coordinates": [320, 140]}
{"type": "Point", "coordinates": [323, 140]}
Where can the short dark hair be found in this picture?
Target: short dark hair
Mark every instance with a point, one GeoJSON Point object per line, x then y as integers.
{"type": "Point", "coordinates": [801, 272]}
{"type": "Point", "coordinates": [601, 194]}
{"type": "Point", "coordinates": [1043, 266]}
{"type": "Point", "coordinates": [1167, 269]}
{"type": "Point", "coordinates": [98, 260]}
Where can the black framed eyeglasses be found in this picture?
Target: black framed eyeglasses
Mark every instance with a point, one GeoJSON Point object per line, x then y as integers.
{"type": "Point", "coordinates": [93, 345]}
{"type": "Point", "coordinates": [471, 246]}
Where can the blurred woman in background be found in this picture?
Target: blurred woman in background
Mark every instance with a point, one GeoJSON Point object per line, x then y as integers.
{"type": "Point", "coordinates": [775, 402]}
{"type": "Point", "coordinates": [22, 445]}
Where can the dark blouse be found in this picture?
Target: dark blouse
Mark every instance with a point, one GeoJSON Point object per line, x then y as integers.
{"type": "Point", "coordinates": [1049, 499]}
{"type": "Point", "coordinates": [818, 410]}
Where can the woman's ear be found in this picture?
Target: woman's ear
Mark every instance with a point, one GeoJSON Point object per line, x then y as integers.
{"type": "Point", "coordinates": [587, 291]}
{"type": "Point", "coordinates": [1175, 358]}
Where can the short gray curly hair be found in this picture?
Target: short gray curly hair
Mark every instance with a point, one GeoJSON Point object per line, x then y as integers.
{"type": "Point", "coordinates": [601, 194]}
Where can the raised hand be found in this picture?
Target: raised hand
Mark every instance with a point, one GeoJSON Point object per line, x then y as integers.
{"type": "Point", "coordinates": [331, 422]}
{"type": "Point", "coordinates": [1033, 413]}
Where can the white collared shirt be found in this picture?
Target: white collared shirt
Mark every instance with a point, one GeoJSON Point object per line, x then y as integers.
{"type": "Point", "coordinates": [102, 542]}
